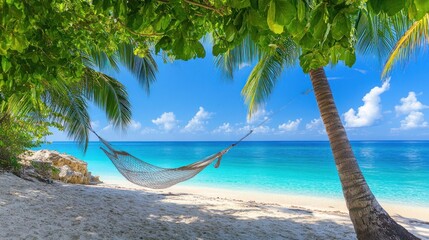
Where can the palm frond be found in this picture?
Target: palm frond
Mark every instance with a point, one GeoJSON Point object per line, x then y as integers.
{"type": "Point", "coordinates": [109, 94]}
{"type": "Point", "coordinates": [71, 111]}
{"type": "Point", "coordinates": [101, 61]}
{"type": "Point", "coordinates": [416, 36]}
{"type": "Point", "coordinates": [233, 59]}
{"type": "Point", "coordinates": [20, 104]}
{"type": "Point", "coordinates": [377, 34]}
{"type": "Point", "coordinates": [266, 73]}
{"type": "Point", "coordinates": [144, 69]}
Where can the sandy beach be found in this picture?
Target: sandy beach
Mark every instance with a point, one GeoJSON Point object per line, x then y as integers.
{"type": "Point", "coordinates": [34, 210]}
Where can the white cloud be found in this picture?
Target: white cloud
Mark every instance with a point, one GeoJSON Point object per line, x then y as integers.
{"type": "Point", "coordinates": [316, 125]}
{"type": "Point", "coordinates": [371, 109]}
{"type": "Point", "coordinates": [167, 121]}
{"type": "Point", "coordinates": [198, 121]}
{"type": "Point", "coordinates": [411, 107]}
{"type": "Point", "coordinates": [409, 104]}
{"type": "Point", "coordinates": [135, 125]}
{"type": "Point", "coordinates": [290, 125]}
{"type": "Point", "coordinates": [224, 128]}
{"type": "Point", "coordinates": [243, 65]}
{"type": "Point", "coordinates": [257, 117]}
{"type": "Point", "coordinates": [95, 124]}
{"type": "Point", "coordinates": [334, 78]}
{"type": "Point", "coordinates": [363, 71]}
{"type": "Point", "coordinates": [414, 120]}
{"type": "Point", "coordinates": [108, 127]}
{"type": "Point", "coordinates": [260, 129]}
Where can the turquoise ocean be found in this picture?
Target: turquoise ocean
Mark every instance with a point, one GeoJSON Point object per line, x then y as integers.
{"type": "Point", "coordinates": [396, 171]}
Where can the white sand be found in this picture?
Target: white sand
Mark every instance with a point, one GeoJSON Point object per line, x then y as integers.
{"type": "Point", "coordinates": [33, 210]}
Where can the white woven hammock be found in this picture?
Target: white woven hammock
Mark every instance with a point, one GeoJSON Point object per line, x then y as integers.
{"type": "Point", "coordinates": [147, 175]}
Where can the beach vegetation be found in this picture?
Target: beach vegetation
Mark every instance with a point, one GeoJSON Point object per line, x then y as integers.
{"type": "Point", "coordinates": [16, 136]}
{"type": "Point", "coordinates": [52, 55]}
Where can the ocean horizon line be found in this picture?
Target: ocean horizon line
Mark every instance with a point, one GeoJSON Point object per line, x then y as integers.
{"type": "Point", "coordinates": [232, 141]}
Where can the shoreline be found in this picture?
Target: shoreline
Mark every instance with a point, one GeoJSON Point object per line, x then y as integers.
{"type": "Point", "coordinates": [322, 203]}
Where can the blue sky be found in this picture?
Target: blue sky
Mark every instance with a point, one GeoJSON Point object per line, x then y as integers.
{"type": "Point", "coordinates": [192, 100]}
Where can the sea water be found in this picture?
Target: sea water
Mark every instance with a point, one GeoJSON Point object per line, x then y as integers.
{"type": "Point", "coordinates": [396, 171]}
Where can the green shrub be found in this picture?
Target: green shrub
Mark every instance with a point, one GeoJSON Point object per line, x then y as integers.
{"type": "Point", "coordinates": [17, 136]}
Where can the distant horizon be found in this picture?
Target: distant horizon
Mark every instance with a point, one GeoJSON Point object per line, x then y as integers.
{"type": "Point", "coordinates": [172, 141]}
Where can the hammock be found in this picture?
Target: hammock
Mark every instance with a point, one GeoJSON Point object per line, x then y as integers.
{"type": "Point", "coordinates": [147, 175]}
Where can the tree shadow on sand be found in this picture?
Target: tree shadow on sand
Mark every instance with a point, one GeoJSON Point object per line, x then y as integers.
{"type": "Point", "coordinates": [62, 211]}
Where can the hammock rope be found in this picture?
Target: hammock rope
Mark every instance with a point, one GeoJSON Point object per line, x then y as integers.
{"type": "Point", "coordinates": [147, 175]}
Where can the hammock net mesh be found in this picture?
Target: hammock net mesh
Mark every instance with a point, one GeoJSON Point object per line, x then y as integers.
{"type": "Point", "coordinates": [147, 175]}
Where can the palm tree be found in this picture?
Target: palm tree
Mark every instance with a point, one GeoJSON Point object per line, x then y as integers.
{"type": "Point", "coordinates": [67, 104]}
{"type": "Point", "coordinates": [369, 219]}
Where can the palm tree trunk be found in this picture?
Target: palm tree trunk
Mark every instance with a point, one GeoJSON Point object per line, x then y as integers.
{"type": "Point", "coordinates": [369, 219]}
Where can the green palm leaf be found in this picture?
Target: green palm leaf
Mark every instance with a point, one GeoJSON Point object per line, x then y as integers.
{"type": "Point", "coordinates": [101, 61]}
{"type": "Point", "coordinates": [70, 110]}
{"type": "Point", "coordinates": [144, 69]}
{"type": "Point", "coordinates": [266, 73]}
{"type": "Point", "coordinates": [109, 94]}
{"type": "Point", "coordinates": [416, 36]}
{"type": "Point", "coordinates": [377, 34]}
{"type": "Point", "coordinates": [231, 60]}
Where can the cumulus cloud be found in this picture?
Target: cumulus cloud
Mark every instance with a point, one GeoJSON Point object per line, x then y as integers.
{"type": "Point", "coordinates": [224, 128]}
{"type": "Point", "coordinates": [316, 125]}
{"type": "Point", "coordinates": [260, 129]}
{"type": "Point", "coordinates": [414, 120]}
{"type": "Point", "coordinates": [370, 111]}
{"type": "Point", "coordinates": [135, 125]}
{"type": "Point", "coordinates": [290, 125]}
{"type": "Point", "coordinates": [411, 107]}
{"type": "Point", "coordinates": [260, 115]}
{"type": "Point", "coordinates": [198, 121]}
{"type": "Point", "coordinates": [409, 104]}
{"type": "Point", "coordinates": [167, 121]}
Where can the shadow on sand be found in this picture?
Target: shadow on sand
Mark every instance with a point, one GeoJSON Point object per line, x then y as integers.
{"type": "Point", "coordinates": [61, 211]}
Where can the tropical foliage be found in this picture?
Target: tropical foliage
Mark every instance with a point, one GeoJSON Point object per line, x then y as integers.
{"type": "Point", "coordinates": [17, 135]}
{"type": "Point", "coordinates": [416, 37]}
{"type": "Point", "coordinates": [51, 57]}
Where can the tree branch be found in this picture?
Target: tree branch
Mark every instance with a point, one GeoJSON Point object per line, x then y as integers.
{"type": "Point", "coordinates": [218, 11]}
{"type": "Point", "coordinates": [205, 6]}
{"type": "Point", "coordinates": [139, 34]}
